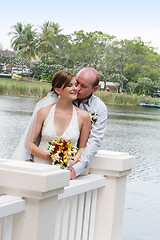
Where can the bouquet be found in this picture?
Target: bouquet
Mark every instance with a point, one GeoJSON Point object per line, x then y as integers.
{"type": "Point", "coordinates": [61, 151]}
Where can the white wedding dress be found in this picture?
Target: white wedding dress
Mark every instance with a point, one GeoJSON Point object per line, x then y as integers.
{"type": "Point", "coordinates": [48, 132]}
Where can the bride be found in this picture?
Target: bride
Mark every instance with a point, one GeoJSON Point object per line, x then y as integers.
{"type": "Point", "coordinates": [56, 117]}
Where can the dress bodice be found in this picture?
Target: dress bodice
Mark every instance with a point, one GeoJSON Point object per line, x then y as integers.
{"type": "Point", "coordinates": [48, 132]}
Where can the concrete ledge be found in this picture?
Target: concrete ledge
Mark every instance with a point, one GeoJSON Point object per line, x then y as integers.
{"type": "Point", "coordinates": [28, 177]}
{"type": "Point", "coordinates": [112, 163]}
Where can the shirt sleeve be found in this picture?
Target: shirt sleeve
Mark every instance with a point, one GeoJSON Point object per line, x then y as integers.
{"type": "Point", "coordinates": [94, 141]}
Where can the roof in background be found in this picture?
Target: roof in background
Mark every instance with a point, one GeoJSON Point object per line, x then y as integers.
{"type": "Point", "coordinates": [112, 84]}
{"type": "Point", "coordinates": [7, 53]}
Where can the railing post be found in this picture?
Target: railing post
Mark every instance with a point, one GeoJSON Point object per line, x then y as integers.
{"type": "Point", "coordinates": [39, 185]}
{"type": "Point", "coordinates": [110, 202]}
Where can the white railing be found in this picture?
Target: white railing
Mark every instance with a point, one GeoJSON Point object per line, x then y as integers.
{"type": "Point", "coordinates": [77, 206]}
{"type": "Point", "coordinates": [87, 208]}
{"type": "Point", "coordinates": [9, 205]}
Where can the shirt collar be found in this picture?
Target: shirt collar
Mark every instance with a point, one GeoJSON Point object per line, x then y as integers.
{"type": "Point", "coordinates": [86, 101]}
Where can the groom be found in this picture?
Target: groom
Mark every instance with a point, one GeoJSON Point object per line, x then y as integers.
{"type": "Point", "coordinates": [88, 79]}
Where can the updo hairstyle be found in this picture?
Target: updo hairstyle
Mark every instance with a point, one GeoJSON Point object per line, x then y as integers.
{"type": "Point", "coordinates": [61, 78]}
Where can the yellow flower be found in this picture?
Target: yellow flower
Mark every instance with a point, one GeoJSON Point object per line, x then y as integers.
{"type": "Point", "coordinates": [64, 151]}
{"type": "Point", "coordinates": [66, 161]}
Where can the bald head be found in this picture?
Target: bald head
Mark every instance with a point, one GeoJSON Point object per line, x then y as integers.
{"type": "Point", "coordinates": [88, 80]}
{"type": "Point", "coordinates": [90, 75]}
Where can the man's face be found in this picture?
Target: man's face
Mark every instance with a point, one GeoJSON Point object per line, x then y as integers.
{"type": "Point", "coordinates": [85, 87]}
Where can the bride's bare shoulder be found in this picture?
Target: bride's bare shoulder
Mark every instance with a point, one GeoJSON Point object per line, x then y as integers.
{"type": "Point", "coordinates": [44, 111]}
{"type": "Point", "coordinates": [83, 113]}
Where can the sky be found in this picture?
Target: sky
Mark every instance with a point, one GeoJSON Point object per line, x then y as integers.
{"type": "Point", "coordinates": [122, 18]}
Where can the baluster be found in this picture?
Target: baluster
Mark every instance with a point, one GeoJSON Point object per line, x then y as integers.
{"type": "Point", "coordinates": [80, 216]}
{"type": "Point", "coordinates": [58, 219]}
{"type": "Point", "coordinates": [65, 218]}
{"type": "Point", "coordinates": [93, 214]}
{"type": "Point", "coordinates": [7, 228]}
{"type": "Point", "coordinates": [86, 216]}
{"type": "Point", "coordinates": [1, 224]}
{"type": "Point", "coordinates": [73, 214]}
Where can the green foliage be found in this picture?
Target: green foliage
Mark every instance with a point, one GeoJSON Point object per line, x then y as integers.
{"type": "Point", "coordinates": [24, 40]}
{"type": "Point", "coordinates": [118, 99]}
{"type": "Point", "coordinates": [46, 77]}
{"type": "Point", "coordinates": [132, 86]}
{"type": "Point", "coordinates": [117, 79]}
{"type": "Point", "coordinates": [122, 61]}
{"type": "Point", "coordinates": [21, 88]}
{"type": "Point", "coordinates": [145, 86]}
{"type": "Point", "coordinates": [39, 90]}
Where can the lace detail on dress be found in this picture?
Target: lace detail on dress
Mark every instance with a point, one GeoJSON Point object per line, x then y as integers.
{"type": "Point", "coordinates": [48, 132]}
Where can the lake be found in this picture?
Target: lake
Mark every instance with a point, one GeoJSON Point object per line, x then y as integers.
{"type": "Point", "coordinates": [135, 130]}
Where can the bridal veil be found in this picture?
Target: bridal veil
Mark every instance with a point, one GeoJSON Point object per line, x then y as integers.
{"type": "Point", "coordinates": [23, 150]}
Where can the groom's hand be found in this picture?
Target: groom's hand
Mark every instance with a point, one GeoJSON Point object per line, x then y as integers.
{"type": "Point", "coordinates": [72, 173]}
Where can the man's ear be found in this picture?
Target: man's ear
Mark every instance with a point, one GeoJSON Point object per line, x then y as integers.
{"type": "Point", "coordinates": [57, 90]}
{"type": "Point", "coordinates": [94, 89]}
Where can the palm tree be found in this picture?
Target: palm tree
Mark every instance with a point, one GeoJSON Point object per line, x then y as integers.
{"type": "Point", "coordinates": [17, 36]}
{"type": "Point", "coordinates": [28, 43]}
{"type": "Point", "coordinates": [46, 39]}
{"type": "Point", "coordinates": [24, 40]}
{"type": "Point", "coordinates": [51, 27]}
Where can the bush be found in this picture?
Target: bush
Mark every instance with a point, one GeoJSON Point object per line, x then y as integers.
{"type": "Point", "coordinates": [118, 99]}
{"type": "Point", "coordinates": [13, 87]}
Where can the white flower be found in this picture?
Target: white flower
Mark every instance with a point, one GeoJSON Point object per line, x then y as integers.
{"type": "Point", "coordinates": [55, 157]}
{"type": "Point", "coordinates": [69, 152]}
{"type": "Point", "coordinates": [74, 151]}
{"type": "Point", "coordinates": [93, 117]}
{"type": "Point", "coordinates": [51, 148]}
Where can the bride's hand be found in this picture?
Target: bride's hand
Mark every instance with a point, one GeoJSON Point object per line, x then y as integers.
{"type": "Point", "coordinates": [49, 160]}
{"type": "Point", "coordinates": [71, 163]}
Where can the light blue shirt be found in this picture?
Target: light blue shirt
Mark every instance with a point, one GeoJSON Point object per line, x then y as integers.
{"type": "Point", "coordinates": [92, 105]}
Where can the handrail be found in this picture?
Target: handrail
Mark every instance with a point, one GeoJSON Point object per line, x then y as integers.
{"type": "Point", "coordinates": [83, 184]}
{"type": "Point", "coordinates": [10, 205]}
{"type": "Point", "coordinates": [91, 205]}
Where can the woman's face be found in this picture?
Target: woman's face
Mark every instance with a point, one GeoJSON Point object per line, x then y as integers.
{"type": "Point", "coordinates": [70, 91]}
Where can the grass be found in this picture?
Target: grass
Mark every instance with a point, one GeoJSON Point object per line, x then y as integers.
{"type": "Point", "coordinates": [118, 99]}
{"type": "Point", "coordinates": [11, 87]}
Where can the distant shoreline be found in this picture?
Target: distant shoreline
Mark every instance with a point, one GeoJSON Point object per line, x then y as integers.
{"type": "Point", "coordinates": [12, 87]}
